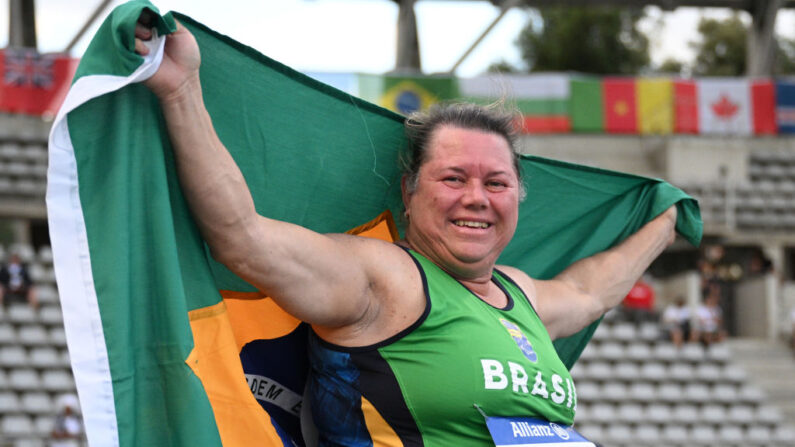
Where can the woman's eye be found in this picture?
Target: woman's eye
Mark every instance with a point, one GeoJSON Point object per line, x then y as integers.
{"type": "Point", "coordinates": [496, 185]}
{"type": "Point", "coordinates": [454, 180]}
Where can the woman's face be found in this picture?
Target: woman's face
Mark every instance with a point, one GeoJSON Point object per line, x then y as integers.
{"type": "Point", "coordinates": [464, 209]}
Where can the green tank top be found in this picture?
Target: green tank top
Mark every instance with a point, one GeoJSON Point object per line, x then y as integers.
{"type": "Point", "coordinates": [426, 381]}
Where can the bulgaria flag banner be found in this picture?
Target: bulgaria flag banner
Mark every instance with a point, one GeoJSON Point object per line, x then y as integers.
{"type": "Point", "coordinates": [167, 346]}
{"type": "Point", "coordinates": [724, 106]}
{"type": "Point", "coordinates": [543, 100]}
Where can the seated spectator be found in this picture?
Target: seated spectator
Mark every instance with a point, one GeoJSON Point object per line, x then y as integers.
{"type": "Point", "coordinates": [676, 321]}
{"type": "Point", "coordinates": [68, 429]}
{"type": "Point", "coordinates": [15, 283]}
{"type": "Point", "coordinates": [709, 318]}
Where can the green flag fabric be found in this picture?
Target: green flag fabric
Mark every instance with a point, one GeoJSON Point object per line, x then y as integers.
{"type": "Point", "coordinates": [150, 317]}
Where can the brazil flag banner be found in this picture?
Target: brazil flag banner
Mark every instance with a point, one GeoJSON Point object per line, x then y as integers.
{"type": "Point", "coordinates": [170, 348]}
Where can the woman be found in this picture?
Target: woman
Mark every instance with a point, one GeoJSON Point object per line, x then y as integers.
{"type": "Point", "coordinates": [409, 337]}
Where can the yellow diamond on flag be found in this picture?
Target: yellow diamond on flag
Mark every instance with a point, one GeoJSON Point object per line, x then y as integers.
{"type": "Point", "coordinates": [406, 97]}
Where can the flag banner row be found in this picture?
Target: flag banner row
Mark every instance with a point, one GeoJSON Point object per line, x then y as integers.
{"type": "Point", "coordinates": [563, 103]}
{"type": "Point", "coordinates": [169, 347]}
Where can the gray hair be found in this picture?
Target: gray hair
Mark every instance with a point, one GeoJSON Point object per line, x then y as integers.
{"type": "Point", "coordinates": [420, 126]}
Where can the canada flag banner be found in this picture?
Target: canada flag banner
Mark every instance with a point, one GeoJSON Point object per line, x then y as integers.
{"type": "Point", "coordinates": [724, 106]}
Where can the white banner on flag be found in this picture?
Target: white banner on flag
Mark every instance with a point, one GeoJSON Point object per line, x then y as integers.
{"type": "Point", "coordinates": [545, 86]}
{"type": "Point", "coordinates": [724, 106]}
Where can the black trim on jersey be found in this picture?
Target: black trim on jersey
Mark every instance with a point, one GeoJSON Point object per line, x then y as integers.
{"type": "Point", "coordinates": [510, 280]}
{"type": "Point", "coordinates": [378, 384]}
{"type": "Point", "coordinates": [400, 334]}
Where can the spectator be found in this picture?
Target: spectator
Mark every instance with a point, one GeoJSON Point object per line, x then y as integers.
{"type": "Point", "coordinates": [709, 317]}
{"type": "Point", "coordinates": [676, 321]}
{"type": "Point", "coordinates": [15, 283]}
{"type": "Point", "coordinates": [638, 305]}
{"type": "Point", "coordinates": [68, 429]}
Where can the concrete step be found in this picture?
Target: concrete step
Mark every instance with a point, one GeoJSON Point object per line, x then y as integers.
{"type": "Point", "coordinates": [771, 367]}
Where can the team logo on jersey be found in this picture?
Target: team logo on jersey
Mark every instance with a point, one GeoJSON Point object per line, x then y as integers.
{"type": "Point", "coordinates": [560, 431]}
{"type": "Point", "coordinates": [520, 339]}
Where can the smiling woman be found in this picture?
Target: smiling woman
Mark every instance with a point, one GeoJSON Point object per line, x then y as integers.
{"type": "Point", "coordinates": [407, 339]}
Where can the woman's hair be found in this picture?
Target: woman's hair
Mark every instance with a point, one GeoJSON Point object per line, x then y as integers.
{"type": "Point", "coordinates": [420, 127]}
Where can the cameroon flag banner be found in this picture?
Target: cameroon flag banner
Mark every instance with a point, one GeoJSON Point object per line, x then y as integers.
{"type": "Point", "coordinates": [167, 346]}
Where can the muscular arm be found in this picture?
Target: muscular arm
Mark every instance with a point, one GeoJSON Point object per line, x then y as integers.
{"type": "Point", "coordinates": [324, 280]}
{"type": "Point", "coordinates": [591, 286]}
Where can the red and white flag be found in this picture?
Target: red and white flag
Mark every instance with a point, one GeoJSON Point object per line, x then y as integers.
{"type": "Point", "coordinates": [724, 106]}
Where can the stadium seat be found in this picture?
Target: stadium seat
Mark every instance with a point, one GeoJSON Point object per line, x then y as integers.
{"type": "Point", "coordinates": [712, 413]}
{"type": "Point", "coordinates": [13, 357]}
{"type": "Point", "coordinates": [731, 434]}
{"type": "Point", "coordinates": [647, 433]}
{"type": "Point", "coordinates": [588, 392]}
{"type": "Point", "coordinates": [639, 352]}
{"type": "Point", "coordinates": [9, 402]}
{"type": "Point", "coordinates": [8, 335]}
{"type": "Point", "coordinates": [703, 435]}
{"type": "Point", "coordinates": [768, 415]}
{"type": "Point", "coordinates": [58, 336]}
{"type": "Point", "coordinates": [624, 332]}
{"type": "Point", "coordinates": [751, 394]}
{"type": "Point", "coordinates": [682, 372]}
{"type": "Point", "coordinates": [599, 370]}
{"type": "Point", "coordinates": [784, 435]}
{"type": "Point", "coordinates": [24, 380]}
{"type": "Point", "coordinates": [740, 414]}
{"type": "Point", "coordinates": [45, 357]}
{"type": "Point", "coordinates": [708, 372]}
{"type": "Point", "coordinates": [612, 351]}
{"type": "Point", "coordinates": [17, 425]}
{"type": "Point", "coordinates": [758, 435]}
{"type": "Point", "coordinates": [602, 333]}
{"type": "Point", "coordinates": [33, 335]}
{"type": "Point", "coordinates": [618, 433]}
{"type": "Point", "coordinates": [653, 371]}
{"type": "Point", "coordinates": [591, 431]}
{"type": "Point", "coordinates": [51, 315]}
{"type": "Point", "coordinates": [626, 371]}
{"type": "Point", "coordinates": [614, 392]}
{"type": "Point", "coordinates": [589, 353]}
{"type": "Point", "coordinates": [724, 393]}
{"type": "Point", "coordinates": [603, 412]}
{"type": "Point", "coordinates": [649, 332]}
{"type": "Point", "coordinates": [21, 314]}
{"type": "Point", "coordinates": [37, 403]}
{"type": "Point", "coordinates": [4, 384]}
{"type": "Point", "coordinates": [43, 424]}
{"type": "Point", "coordinates": [25, 251]}
{"type": "Point", "coordinates": [57, 380]}
{"type": "Point", "coordinates": [685, 414]}
{"type": "Point", "coordinates": [45, 255]}
{"type": "Point", "coordinates": [642, 392]}
{"type": "Point", "coordinates": [675, 433]}
{"type": "Point", "coordinates": [47, 294]}
{"type": "Point", "coordinates": [669, 392]}
{"type": "Point", "coordinates": [733, 373]}
{"type": "Point", "coordinates": [658, 413]}
{"type": "Point", "coordinates": [665, 352]}
{"type": "Point", "coordinates": [30, 442]}
{"type": "Point", "coordinates": [692, 352]}
{"type": "Point", "coordinates": [630, 413]}
{"type": "Point", "coordinates": [697, 392]}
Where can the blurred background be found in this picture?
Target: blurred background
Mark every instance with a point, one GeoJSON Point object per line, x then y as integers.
{"type": "Point", "coordinates": [698, 93]}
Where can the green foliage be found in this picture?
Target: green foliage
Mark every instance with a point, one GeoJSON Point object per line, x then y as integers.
{"type": "Point", "coordinates": [671, 66]}
{"type": "Point", "coordinates": [722, 48]}
{"type": "Point", "coordinates": [588, 40]}
{"type": "Point", "coordinates": [785, 56]}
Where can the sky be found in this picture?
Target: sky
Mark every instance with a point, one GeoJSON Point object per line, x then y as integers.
{"type": "Point", "coordinates": [360, 35]}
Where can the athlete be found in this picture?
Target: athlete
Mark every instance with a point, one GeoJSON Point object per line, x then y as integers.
{"type": "Point", "coordinates": [411, 340]}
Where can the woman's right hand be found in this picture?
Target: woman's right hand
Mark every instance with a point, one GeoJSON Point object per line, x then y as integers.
{"type": "Point", "coordinates": [179, 70]}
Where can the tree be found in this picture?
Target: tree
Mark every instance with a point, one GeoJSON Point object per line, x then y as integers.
{"type": "Point", "coordinates": [722, 48]}
{"type": "Point", "coordinates": [672, 66]}
{"type": "Point", "coordinates": [589, 40]}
